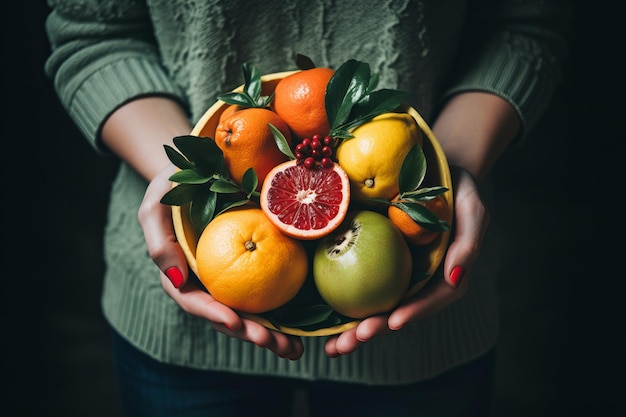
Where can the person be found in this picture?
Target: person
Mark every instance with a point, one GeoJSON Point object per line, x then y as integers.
{"type": "Point", "coordinates": [134, 75]}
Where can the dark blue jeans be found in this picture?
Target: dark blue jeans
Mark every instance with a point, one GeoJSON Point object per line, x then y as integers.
{"type": "Point", "coordinates": [154, 389]}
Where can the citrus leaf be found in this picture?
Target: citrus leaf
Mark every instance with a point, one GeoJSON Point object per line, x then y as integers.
{"type": "Point", "coordinates": [303, 62]}
{"type": "Point", "coordinates": [374, 104]}
{"type": "Point", "coordinates": [373, 82]}
{"type": "Point", "coordinates": [252, 81]}
{"type": "Point", "coordinates": [249, 182]}
{"type": "Point", "coordinates": [346, 87]}
{"type": "Point", "coordinates": [340, 133]}
{"type": "Point", "coordinates": [202, 210]}
{"type": "Point", "coordinates": [224, 186]}
{"type": "Point", "coordinates": [350, 100]}
{"type": "Point", "coordinates": [203, 153]}
{"type": "Point", "coordinates": [251, 94]}
{"type": "Point", "coordinates": [233, 204]}
{"type": "Point", "coordinates": [176, 158]}
{"type": "Point", "coordinates": [422, 216]}
{"type": "Point", "coordinates": [307, 316]}
{"type": "Point", "coordinates": [413, 169]}
{"type": "Point", "coordinates": [281, 142]}
{"type": "Point", "coordinates": [189, 176]}
{"type": "Point", "coordinates": [179, 195]}
{"type": "Point", "coordinates": [237, 99]}
{"type": "Point", "coordinates": [423, 194]}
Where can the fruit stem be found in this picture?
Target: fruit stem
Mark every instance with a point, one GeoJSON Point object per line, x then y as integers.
{"type": "Point", "coordinates": [250, 246]}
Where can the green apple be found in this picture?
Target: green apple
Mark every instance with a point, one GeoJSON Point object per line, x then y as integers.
{"type": "Point", "coordinates": [364, 266]}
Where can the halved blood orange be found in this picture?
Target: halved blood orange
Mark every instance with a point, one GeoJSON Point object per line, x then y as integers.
{"type": "Point", "coordinates": [305, 203]}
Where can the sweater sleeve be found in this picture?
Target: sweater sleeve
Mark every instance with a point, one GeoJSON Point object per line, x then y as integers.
{"type": "Point", "coordinates": [516, 50]}
{"type": "Point", "coordinates": [103, 55]}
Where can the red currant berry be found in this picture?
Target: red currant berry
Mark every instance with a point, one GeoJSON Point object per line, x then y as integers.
{"type": "Point", "coordinates": [327, 151]}
{"type": "Point", "coordinates": [326, 162]}
{"type": "Point", "coordinates": [328, 140]}
{"type": "Point", "coordinates": [309, 163]}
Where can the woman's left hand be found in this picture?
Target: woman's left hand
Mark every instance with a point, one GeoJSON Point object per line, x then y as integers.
{"type": "Point", "coordinates": [471, 221]}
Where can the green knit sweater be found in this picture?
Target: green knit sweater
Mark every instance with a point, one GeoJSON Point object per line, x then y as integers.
{"type": "Point", "coordinates": [105, 53]}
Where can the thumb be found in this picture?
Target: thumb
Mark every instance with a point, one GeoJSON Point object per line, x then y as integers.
{"type": "Point", "coordinates": [155, 219]}
{"type": "Point", "coordinates": [471, 222]}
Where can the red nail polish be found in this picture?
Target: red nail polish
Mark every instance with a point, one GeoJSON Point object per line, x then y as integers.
{"type": "Point", "coordinates": [457, 275]}
{"type": "Point", "coordinates": [175, 276]}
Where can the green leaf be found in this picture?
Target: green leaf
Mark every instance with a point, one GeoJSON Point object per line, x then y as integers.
{"type": "Point", "coordinates": [176, 158]}
{"type": "Point", "coordinates": [350, 100]}
{"type": "Point", "coordinates": [281, 142]}
{"type": "Point", "coordinates": [413, 169]}
{"type": "Point", "coordinates": [422, 216]}
{"type": "Point", "coordinates": [347, 86]}
{"type": "Point", "coordinates": [233, 204]}
{"type": "Point", "coordinates": [237, 99]}
{"type": "Point", "coordinates": [308, 316]}
{"type": "Point", "coordinates": [224, 186]}
{"type": "Point", "coordinates": [249, 182]}
{"type": "Point", "coordinates": [179, 195]}
{"type": "Point", "coordinates": [374, 104]}
{"type": "Point", "coordinates": [303, 62]}
{"type": "Point", "coordinates": [202, 210]}
{"type": "Point", "coordinates": [189, 176]}
{"type": "Point", "coordinates": [203, 153]}
{"type": "Point", "coordinates": [423, 194]}
{"type": "Point", "coordinates": [251, 94]}
{"type": "Point", "coordinates": [252, 78]}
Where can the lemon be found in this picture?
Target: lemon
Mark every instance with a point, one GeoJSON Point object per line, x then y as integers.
{"type": "Point", "coordinates": [373, 157]}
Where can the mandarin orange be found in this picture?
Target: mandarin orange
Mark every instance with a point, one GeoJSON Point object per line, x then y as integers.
{"type": "Point", "coordinates": [247, 141]}
{"type": "Point", "coordinates": [299, 99]}
{"type": "Point", "coordinates": [246, 263]}
{"type": "Point", "coordinates": [415, 233]}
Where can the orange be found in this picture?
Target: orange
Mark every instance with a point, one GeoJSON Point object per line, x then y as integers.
{"type": "Point", "coordinates": [306, 203]}
{"type": "Point", "coordinates": [247, 141]}
{"type": "Point", "coordinates": [246, 263]}
{"type": "Point", "coordinates": [299, 99]}
{"type": "Point", "coordinates": [413, 231]}
{"type": "Point", "coordinates": [229, 111]}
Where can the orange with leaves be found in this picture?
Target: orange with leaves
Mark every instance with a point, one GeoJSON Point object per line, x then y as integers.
{"type": "Point", "coordinates": [247, 141]}
{"type": "Point", "coordinates": [421, 232]}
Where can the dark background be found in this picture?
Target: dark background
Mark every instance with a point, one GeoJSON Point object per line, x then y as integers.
{"type": "Point", "coordinates": [562, 347]}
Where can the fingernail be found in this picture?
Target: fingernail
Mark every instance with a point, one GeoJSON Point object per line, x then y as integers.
{"type": "Point", "coordinates": [175, 276]}
{"type": "Point", "coordinates": [457, 275]}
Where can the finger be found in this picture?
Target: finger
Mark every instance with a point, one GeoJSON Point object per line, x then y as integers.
{"type": "Point", "coordinates": [340, 344]}
{"type": "Point", "coordinates": [471, 222]}
{"type": "Point", "coordinates": [156, 221]}
{"type": "Point", "coordinates": [198, 302]}
{"type": "Point", "coordinates": [431, 299]}
{"type": "Point", "coordinates": [283, 345]}
{"type": "Point", "coordinates": [371, 327]}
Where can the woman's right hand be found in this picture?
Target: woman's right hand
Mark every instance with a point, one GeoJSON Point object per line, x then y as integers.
{"type": "Point", "coordinates": [156, 220]}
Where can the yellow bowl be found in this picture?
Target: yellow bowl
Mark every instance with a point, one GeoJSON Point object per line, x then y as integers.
{"type": "Point", "coordinates": [428, 258]}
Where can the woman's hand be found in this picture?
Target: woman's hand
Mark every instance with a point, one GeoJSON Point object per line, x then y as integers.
{"type": "Point", "coordinates": [156, 220]}
{"type": "Point", "coordinates": [470, 224]}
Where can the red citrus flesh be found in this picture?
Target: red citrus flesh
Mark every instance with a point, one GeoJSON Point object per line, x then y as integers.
{"type": "Point", "coordinates": [305, 203]}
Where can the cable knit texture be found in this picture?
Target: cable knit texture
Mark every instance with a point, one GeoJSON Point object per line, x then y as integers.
{"type": "Point", "coordinates": [107, 52]}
